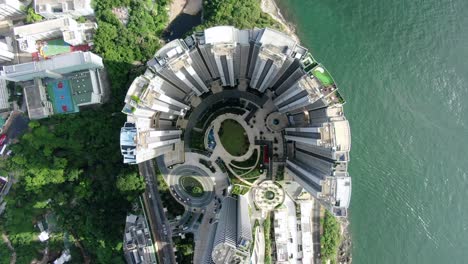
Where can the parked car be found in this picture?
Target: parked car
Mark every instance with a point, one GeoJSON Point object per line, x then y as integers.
{"type": "Point", "coordinates": [3, 139]}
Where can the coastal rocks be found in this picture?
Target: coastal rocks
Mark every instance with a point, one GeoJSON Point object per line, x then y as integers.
{"type": "Point", "coordinates": [344, 251]}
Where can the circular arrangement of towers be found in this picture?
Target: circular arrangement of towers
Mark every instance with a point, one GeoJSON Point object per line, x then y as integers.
{"type": "Point", "coordinates": [226, 62]}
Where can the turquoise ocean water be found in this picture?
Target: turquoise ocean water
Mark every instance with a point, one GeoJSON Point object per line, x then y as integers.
{"type": "Point", "coordinates": [403, 68]}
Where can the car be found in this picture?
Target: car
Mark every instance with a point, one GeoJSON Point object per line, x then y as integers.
{"type": "Point", "coordinates": [3, 138]}
{"type": "Point", "coordinates": [211, 220]}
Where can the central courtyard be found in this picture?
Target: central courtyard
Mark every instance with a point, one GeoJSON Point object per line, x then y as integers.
{"type": "Point", "coordinates": [233, 137]}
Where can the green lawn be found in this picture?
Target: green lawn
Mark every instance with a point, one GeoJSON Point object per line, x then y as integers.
{"type": "Point", "coordinates": [192, 186]}
{"type": "Point", "coordinates": [324, 77]}
{"type": "Point", "coordinates": [233, 138]}
{"type": "Point", "coordinates": [249, 162]}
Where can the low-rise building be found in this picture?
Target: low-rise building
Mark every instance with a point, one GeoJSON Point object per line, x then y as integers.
{"type": "Point", "coordinates": [287, 233]}
{"type": "Point", "coordinates": [59, 85]}
{"type": "Point", "coordinates": [33, 37]}
{"type": "Point", "coordinates": [6, 51]}
{"type": "Point", "coordinates": [59, 8]}
{"type": "Point", "coordinates": [138, 245]}
{"type": "Point", "coordinates": [11, 8]}
{"type": "Point", "coordinates": [4, 96]}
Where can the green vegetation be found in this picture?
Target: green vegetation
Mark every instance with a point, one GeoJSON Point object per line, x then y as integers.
{"type": "Point", "coordinates": [234, 180]}
{"type": "Point", "coordinates": [251, 175]}
{"type": "Point", "coordinates": [4, 253]}
{"type": "Point", "coordinates": [233, 137]}
{"type": "Point", "coordinates": [197, 140]}
{"type": "Point", "coordinates": [184, 248]}
{"type": "Point", "coordinates": [16, 93]}
{"type": "Point", "coordinates": [323, 75]}
{"type": "Point", "coordinates": [240, 189]}
{"type": "Point", "coordinates": [192, 186]}
{"type": "Point", "coordinates": [71, 164]}
{"type": "Point", "coordinates": [243, 14]}
{"type": "Point", "coordinates": [122, 47]}
{"type": "Point", "coordinates": [280, 173]}
{"type": "Point", "coordinates": [130, 183]}
{"type": "Point", "coordinates": [60, 163]}
{"type": "Point", "coordinates": [254, 234]}
{"type": "Point", "coordinates": [251, 161]}
{"type": "Point", "coordinates": [167, 199]}
{"type": "Point", "coordinates": [268, 242]}
{"type": "Point", "coordinates": [31, 16]}
{"type": "Point", "coordinates": [81, 19]}
{"type": "Point", "coordinates": [330, 239]}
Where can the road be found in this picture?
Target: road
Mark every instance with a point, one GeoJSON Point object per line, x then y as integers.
{"type": "Point", "coordinates": [17, 125]}
{"type": "Point", "coordinates": [203, 178]}
{"type": "Point", "coordinates": [158, 221]}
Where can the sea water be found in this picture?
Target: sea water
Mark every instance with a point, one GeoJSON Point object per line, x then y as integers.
{"type": "Point", "coordinates": [402, 66]}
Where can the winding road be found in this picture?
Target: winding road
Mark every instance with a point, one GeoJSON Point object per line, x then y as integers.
{"type": "Point", "coordinates": [199, 174]}
{"type": "Point", "coordinates": [157, 218]}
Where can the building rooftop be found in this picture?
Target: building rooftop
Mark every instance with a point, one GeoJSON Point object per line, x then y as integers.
{"type": "Point", "coordinates": [4, 96]}
{"type": "Point", "coordinates": [35, 101]}
{"type": "Point", "coordinates": [343, 191]}
{"type": "Point", "coordinates": [221, 34]}
{"type": "Point", "coordinates": [44, 26]}
{"type": "Point", "coordinates": [273, 38]}
{"type": "Point", "coordinates": [342, 135]}
{"type": "Point", "coordinates": [68, 4]}
{"type": "Point", "coordinates": [82, 86]}
{"type": "Point", "coordinates": [60, 64]}
{"type": "Point", "coordinates": [171, 50]}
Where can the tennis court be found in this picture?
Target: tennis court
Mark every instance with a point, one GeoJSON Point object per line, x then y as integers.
{"type": "Point", "coordinates": [60, 95]}
{"type": "Point", "coordinates": [55, 46]}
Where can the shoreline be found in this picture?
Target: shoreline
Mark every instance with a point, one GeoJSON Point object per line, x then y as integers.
{"type": "Point", "coordinates": [189, 7]}
{"type": "Point", "coordinates": [270, 7]}
{"type": "Point", "coordinates": [344, 251]}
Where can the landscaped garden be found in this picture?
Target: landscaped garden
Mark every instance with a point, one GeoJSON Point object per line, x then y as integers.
{"type": "Point", "coordinates": [192, 186]}
{"type": "Point", "coordinates": [239, 189]}
{"type": "Point", "coordinates": [233, 137]}
{"type": "Point", "coordinates": [330, 239]}
{"type": "Point", "coordinates": [248, 162]}
{"type": "Point", "coordinates": [323, 75]}
{"type": "Point", "coordinates": [167, 198]}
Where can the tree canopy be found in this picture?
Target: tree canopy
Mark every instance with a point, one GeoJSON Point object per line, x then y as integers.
{"type": "Point", "coordinates": [330, 239]}
{"type": "Point", "coordinates": [72, 165]}
{"type": "Point", "coordinates": [32, 16]}
{"type": "Point", "coordinates": [243, 14]}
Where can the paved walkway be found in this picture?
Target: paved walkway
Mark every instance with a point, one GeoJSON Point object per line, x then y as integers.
{"type": "Point", "coordinates": [258, 255]}
{"type": "Point", "coordinates": [206, 103]}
